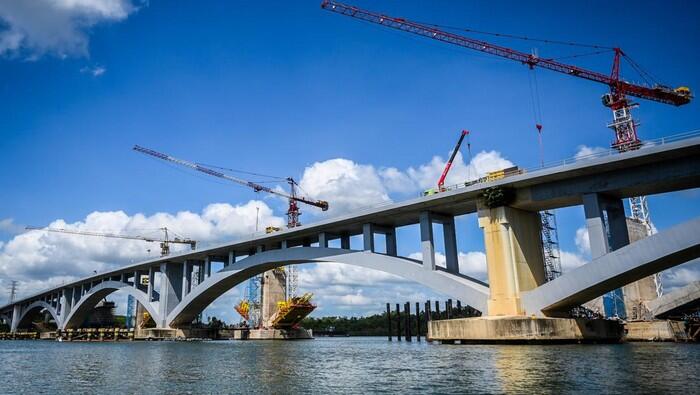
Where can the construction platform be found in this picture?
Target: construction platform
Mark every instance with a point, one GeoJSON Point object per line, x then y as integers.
{"type": "Point", "coordinates": [273, 334]}
{"type": "Point", "coordinates": [525, 330]}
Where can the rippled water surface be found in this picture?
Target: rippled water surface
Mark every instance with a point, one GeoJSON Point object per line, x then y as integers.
{"type": "Point", "coordinates": [344, 365]}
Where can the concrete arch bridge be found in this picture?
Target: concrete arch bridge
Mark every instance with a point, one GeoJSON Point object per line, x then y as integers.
{"type": "Point", "coordinates": [516, 284]}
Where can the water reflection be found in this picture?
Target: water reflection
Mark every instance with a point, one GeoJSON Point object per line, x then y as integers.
{"type": "Point", "coordinates": [342, 365]}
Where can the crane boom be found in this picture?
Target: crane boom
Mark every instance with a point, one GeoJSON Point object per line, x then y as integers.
{"type": "Point", "coordinates": [164, 243]}
{"type": "Point", "coordinates": [448, 165]}
{"type": "Point", "coordinates": [659, 93]}
{"type": "Point", "coordinates": [323, 205]}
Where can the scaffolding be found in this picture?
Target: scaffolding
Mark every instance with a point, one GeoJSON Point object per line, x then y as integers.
{"type": "Point", "coordinates": [130, 312]}
{"type": "Point", "coordinates": [550, 245]}
{"type": "Point", "coordinates": [254, 302]}
{"type": "Point", "coordinates": [640, 212]}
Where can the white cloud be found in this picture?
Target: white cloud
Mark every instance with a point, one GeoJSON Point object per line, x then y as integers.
{"type": "Point", "coordinates": [349, 186]}
{"type": "Point", "coordinates": [33, 28]}
{"type": "Point", "coordinates": [472, 263]}
{"type": "Point", "coordinates": [397, 181]}
{"type": "Point", "coordinates": [427, 175]}
{"type": "Point", "coordinates": [346, 185]}
{"type": "Point", "coordinates": [338, 274]}
{"type": "Point", "coordinates": [42, 259]}
{"type": "Point", "coordinates": [570, 261]}
{"type": "Point", "coordinates": [96, 71]}
{"type": "Point", "coordinates": [681, 276]}
{"type": "Point", "coordinates": [586, 151]}
{"type": "Point", "coordinates": [583, 242]}
{"type": "Point", "coordinates": [8, 225]}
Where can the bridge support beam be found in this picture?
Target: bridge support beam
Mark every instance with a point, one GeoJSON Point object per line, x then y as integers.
{"type": "Point", "coordinates": [596, 208]}
{"type": "Point", "coordinates": [427, 241]}
{"type": "Point", "coordinates": [65, 304]}
{"type": "Point", "coordinates": [513, 257]}
{"type": "Point", "coordinates": [607, 232]}
{"type": "Point", "coordinates": [170, 289]}
{"type": "Point", "coordinates": [426, 220]}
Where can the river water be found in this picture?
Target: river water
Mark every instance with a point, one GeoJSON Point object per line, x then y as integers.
{"type": "Point", "coordinates": [344, 365]}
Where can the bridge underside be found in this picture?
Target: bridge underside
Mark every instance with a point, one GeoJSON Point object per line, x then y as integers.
{"type": "Point", "coordinates": [467, 290]}
{"type": "Point", "coordinates": [80, 312]}
{"type": "Point", "coordinates": [672, 247]}
{"type": "Point", "coordinates": [677, 303]}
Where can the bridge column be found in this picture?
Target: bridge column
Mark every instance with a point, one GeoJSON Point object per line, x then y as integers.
{"type": "Point", "coordinates": [170, 289]}
{"type": "Point", "coordinates": [513, 257]}
{"type": "Point", "coordinates": [231, 259]}
{"type": "Point", "coordinates": [449, 235]}
{"type": "Point", "coordinates": [66, 305]}
{"type": "Point", "coordinates": [323, 240]}
{"type": "Point", "coordinates": [368, 237]}
{"type": "Point", "coordinates": [426, 240]}
{"type": "Point", "coordinates": [596, 207]}
{"type": "Point", "coordinates": [185, 279]}
{"type": "Point", "coordinates": [207, 267]}
{"type": "Point", "coordinates": [345, 241]}
{"type": "Point", "coordinates": [607, 231]}
{"type": "Point", "coordinates": [151, 282]}
{"type": "Point", "coordinates": [16, 314]}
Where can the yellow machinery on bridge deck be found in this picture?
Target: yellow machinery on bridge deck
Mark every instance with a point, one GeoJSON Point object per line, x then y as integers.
{"type": "Point", "coordinates": [292, 311]}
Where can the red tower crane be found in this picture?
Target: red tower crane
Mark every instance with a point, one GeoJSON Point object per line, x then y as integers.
{"type": "Point", "coordinates": [617, 100]}
{"type": "Point", "coordinates": [293, 212]}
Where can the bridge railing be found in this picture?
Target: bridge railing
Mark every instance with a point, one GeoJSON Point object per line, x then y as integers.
{"type": "Point", "coordinates": [596, 153]}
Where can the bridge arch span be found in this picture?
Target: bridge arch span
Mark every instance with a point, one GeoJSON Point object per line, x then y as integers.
{"type": "Point", "coordinates": [460, 287]}
{"type": "Point", "coordinates": [39, 305]}
{"type": "Point", "coordinates": [87, 303]}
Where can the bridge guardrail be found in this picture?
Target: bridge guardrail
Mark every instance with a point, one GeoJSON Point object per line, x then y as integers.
{"type": "Point", "coordinates": [596, 154]}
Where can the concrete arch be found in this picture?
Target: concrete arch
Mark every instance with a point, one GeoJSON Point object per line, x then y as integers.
{"type": "Point", "coordinates": [33, 307]}
{"type": "Point", "coordinates": [463, 288]}
{"type": "Point", "coordinates": [642, 258]}
{"type": "Point", "coordinates": [84, 306]}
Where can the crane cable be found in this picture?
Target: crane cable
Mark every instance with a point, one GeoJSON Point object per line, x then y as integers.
{"type": "Point", "coordinates": [536, 109]}
{"type": "Point", "coordinates": [517, 37]}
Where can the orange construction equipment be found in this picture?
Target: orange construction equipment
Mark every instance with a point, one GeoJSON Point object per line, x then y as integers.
{"type": "Point", "coordinates": [292, 311]}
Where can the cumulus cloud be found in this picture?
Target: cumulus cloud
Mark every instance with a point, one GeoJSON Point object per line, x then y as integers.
{"type": "Point", "coordinates": [349, 186]}
{"type": "Point", "coordinates": [427, 175]}
{"type": "Point", "coordinates": [42, 259]}
{"type": "Point", "coordinates": [8, 225]}
{"type": "Point", "coordinates": [583, 243]}
{"type": "Point", "coordinates": [586, 151]}
{"type": "Point", "coordinates": [681, 276]}
{"type": "Point", "coordinates": [570, 261]}
{"type": "Point", "coordinates": [472, 263]}
{"type": "Point", "coordinates": [345, 184]}
{"type": "Point", "coordinates": [33, 28]}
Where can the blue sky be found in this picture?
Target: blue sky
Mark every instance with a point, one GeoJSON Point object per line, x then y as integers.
{"type": "Point", "coordinates": [278, 89]}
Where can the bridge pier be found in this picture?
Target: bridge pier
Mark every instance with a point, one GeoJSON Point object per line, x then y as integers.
{"type": "Point", "coordinates": [368, 232]}
{"type": "Point", "coordinates": [513, 257]}
{"type": "Point", "coordinates": [16, 316]}
{"type": "Point", "coordinates": [426, 221]}
{"type": "Point", "coordinates": [170, 290]}
{"type": "Point", "coordinates": [607, 232]}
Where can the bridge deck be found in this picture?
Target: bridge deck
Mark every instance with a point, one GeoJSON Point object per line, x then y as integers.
{"type": "Point", "coordinates": [651, 170]}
